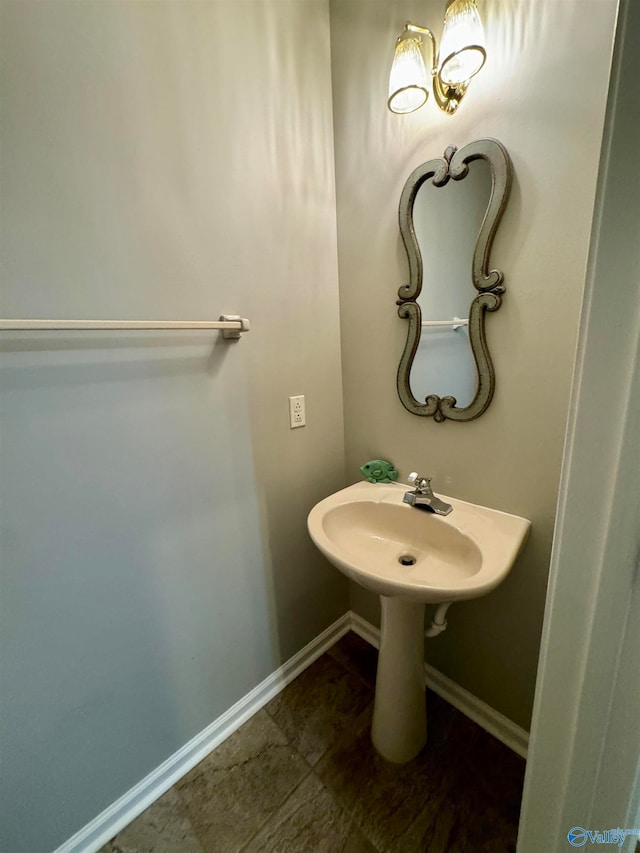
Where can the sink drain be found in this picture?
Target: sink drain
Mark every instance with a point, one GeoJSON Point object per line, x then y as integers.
{"type": "Point", "coordinates": [407, 560]}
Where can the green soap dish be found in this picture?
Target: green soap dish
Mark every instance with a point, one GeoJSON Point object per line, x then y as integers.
{"type": "Point", "coordinates": [379, 471]}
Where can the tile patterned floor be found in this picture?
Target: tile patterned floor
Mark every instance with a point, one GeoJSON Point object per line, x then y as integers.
{"type": "Point", "coordinates": [301, 775]}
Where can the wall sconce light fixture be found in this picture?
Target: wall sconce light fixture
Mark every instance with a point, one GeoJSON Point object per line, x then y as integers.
{"type": "Point", "coordinates": [462, 54]}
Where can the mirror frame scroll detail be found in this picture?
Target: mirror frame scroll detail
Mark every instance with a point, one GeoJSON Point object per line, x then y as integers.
{"type": "Point", "coordinates": [488, 282]}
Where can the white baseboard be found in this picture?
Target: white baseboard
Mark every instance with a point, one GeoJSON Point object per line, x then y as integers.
{"type": "Point", "coordinates": [484, 715]}
{"type": "Point", "coordinates": [107, 824]}
{"type": "Point", "coordinates": [365, 629]}
{"type": "Point", "coordinates": [113, 819]}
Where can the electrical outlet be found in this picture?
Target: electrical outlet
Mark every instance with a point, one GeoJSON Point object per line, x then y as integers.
{"type": "Point", "coordinates": [297, 417]}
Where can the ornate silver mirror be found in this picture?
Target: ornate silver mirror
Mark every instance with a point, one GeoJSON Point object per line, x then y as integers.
{"type": "Point", "coordinates": [449, 233]}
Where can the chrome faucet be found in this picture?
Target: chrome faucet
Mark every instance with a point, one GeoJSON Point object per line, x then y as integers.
{"type": "Point", "coordinates": [423, 496]}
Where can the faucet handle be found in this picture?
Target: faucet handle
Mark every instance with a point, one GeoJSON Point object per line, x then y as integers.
{"type": "Point", "coordinates": [420, 482]}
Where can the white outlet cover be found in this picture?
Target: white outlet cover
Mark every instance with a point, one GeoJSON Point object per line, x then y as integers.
{"type": "Point", "coordinates": [297, 415]}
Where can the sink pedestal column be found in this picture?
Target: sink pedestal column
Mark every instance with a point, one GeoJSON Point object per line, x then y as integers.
{"type": "Point", "coordinates": [399, 729]}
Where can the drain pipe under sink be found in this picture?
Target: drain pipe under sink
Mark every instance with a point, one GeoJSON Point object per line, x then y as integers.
{"type": "Point", "coordinates": [438, 623]}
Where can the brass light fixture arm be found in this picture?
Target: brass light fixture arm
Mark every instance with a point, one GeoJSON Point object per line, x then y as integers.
{"type": "Point", "coordinates": [425, 31]}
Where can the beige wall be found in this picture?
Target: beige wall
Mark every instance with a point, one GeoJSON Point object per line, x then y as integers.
{"type": "Point", "coordinates": [159, 160]}
{"type": "Point", "coordinates": [542, 94]}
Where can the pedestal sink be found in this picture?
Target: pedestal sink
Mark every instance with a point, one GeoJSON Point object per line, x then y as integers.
{"type": "Point", "coordinates": [411, 557]}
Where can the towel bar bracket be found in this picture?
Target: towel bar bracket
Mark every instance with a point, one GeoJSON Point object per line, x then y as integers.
{"type": "Point", "coordinates": [234, 334]}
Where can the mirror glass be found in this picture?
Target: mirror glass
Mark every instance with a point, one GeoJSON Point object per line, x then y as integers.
{"type": "Point", "coordinates": [449, 213]}
{"type": "Point", "coordinates": [447, 222]}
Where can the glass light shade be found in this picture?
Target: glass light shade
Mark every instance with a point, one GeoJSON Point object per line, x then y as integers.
{"type": "Point", "coordinates": [462, 48]}
{"type": "Point", "coordinates": [408, 81]}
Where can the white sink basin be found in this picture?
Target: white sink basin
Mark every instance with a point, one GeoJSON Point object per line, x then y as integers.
{"type": "Point", "coordinates": [411, 557]}
{"type": "Point", "coordinates": [368, 533]}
